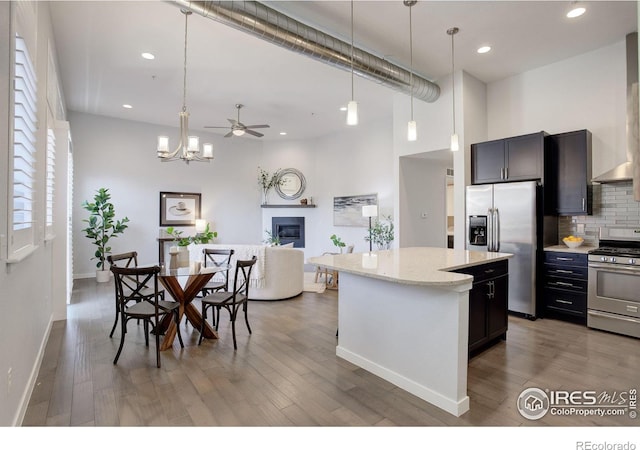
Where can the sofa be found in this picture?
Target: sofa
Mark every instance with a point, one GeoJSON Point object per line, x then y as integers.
{"type": "Point", "coordinates": [278, 274]}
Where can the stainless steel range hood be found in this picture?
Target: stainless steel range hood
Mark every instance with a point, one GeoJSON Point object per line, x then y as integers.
{"type": "Point", "coordinates": [625, 171]}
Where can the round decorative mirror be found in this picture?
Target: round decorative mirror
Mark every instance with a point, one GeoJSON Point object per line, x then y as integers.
{"type": "Point", "coordinates": [291, 184]}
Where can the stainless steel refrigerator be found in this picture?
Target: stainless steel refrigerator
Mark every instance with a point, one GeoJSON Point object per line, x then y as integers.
{"type": "Point", "coordinates": [505, 217]}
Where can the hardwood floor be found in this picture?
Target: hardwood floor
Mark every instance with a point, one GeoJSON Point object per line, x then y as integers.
{"type": "Point", "coordinates": [287, 374]}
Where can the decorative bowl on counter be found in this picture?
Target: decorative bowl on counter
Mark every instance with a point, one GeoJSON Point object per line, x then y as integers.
{"type": "Point", "coordinates": [573, 242]}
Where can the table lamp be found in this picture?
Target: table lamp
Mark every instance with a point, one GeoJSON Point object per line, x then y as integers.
{"type": "Point", "coordinates": [370, 211]}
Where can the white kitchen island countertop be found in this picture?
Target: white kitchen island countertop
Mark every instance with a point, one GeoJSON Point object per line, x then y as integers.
{"type": "Point", "coordinates": [428, 266]}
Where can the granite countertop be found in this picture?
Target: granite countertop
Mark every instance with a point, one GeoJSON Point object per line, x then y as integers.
{"type": "Point", "coordinates": [427, 266]}
{"type": "Point", "coordinates": [563, 248]}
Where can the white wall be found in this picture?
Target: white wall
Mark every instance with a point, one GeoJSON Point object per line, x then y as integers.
{"type": "Point", "coordinates": [587, 91]}
{"type": "Point", "coordinates": [26, 292]}
{"type": "Point", "coordinates": [120, 155]}
{"type": "Point", "coordinates": [423, 190]}
{"type": "Point", "coordinates": [356, 161]}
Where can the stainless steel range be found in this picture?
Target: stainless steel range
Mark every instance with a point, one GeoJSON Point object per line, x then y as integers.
{"type": "Point", "coordinates": [613, 301]}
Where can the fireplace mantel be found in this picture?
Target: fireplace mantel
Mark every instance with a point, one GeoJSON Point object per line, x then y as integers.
{"type": "Point", "coordinates": [287, 206]}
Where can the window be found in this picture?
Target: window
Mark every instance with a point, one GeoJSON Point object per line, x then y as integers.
{"type": "Point", "coordinates": [50, 179]}
{"type": "Point", "coordinates": [24, 152]}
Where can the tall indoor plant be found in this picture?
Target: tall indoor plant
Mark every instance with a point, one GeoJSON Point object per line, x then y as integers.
{"type": "Point", "coordinates": [102, 227]}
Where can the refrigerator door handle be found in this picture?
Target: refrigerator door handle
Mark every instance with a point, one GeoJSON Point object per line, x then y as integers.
{"type": "Point", "coordinates": [496, 230]}
{"type": "Point", "coordinates": [490, 230]}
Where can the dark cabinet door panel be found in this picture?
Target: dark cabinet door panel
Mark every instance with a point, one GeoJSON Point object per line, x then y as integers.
{"type": "Point", "coordinates": [487, 162]}
{"type": "Point", "coordinates": [524, 157]}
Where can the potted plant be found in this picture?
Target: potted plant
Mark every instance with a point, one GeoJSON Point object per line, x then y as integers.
{"type": "Point", "coordinates": [382, 233]}
{"type": "Point", "coordinates": [267, 181]}
{"type": "Point", "coordinates": [205, 237]}
{"type": "Point", "coordinates": [272, 240]}
{"type": "Point", "coordinates": [337, 242]}
{"type": "Point", "coordinates": [180, 250]}
{"type": "Point", "coordinates": [102, 226]}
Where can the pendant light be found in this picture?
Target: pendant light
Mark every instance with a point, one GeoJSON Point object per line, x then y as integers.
{"type": "Point", "coordinates": [412, 131]}
{"type": "Point", "coordinates": [454, 137]}
{"type": "Point", "coordinates": [352, 106]}
{"type": "Point", "coordinates": [189, 146]}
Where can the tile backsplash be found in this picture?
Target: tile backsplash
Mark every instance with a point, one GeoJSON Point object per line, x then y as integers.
{"type": "Point", "coordinates": [613, 205]}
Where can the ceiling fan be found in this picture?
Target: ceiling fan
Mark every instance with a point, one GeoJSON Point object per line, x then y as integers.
{"type": "Point", "coordinates": [239, 129]}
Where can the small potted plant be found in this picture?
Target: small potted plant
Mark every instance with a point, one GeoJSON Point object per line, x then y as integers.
{"type": "Point", "coordinates": [179, 252]}
{"type": "Point", "coordinates": [337, 242]}
{"type": "Point", "coordinates": [204, 237]}
{"type": "Point", "coordinates": [382, 233]}
{"type": "Point", "coordinates": [271, 240]}
{"type": "Point", "coordinates": [102, 227]}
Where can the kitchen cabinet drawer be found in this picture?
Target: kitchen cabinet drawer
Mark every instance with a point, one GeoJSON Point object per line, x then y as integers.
{"type": "Point", "coordinates": [572, 272]}
{"type": "Point", "coordinates": [566, 302]}
{"type": "Point", "coordinates": [566, 284]}
{"type": "Point", "coordinates": [486, 271]}
{"type": "Point", "coordinates": [564, 258]}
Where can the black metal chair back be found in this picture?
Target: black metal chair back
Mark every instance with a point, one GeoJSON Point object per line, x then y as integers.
{"type": "Point", "coordinates": [151, 310]}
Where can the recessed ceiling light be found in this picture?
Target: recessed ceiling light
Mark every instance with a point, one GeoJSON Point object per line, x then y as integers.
{"type": "Point", "coordinates": [484, 49]}
{"type": "Point", "coordinates": [343, 108]}
{"type": "Point", "coordinates": [283, 133]}
{"type": "Point", "coordinates": [127, 106]}
{"type": "Point", "coordinates": [147, 55]}
{"type": "Point", "coordinates": [576, 10]}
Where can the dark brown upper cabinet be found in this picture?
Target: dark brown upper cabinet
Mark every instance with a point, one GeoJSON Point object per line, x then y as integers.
{"type": "Point", "coordinates": [517, 158]}
{"type": "Point", "coordinates": [571, 163]}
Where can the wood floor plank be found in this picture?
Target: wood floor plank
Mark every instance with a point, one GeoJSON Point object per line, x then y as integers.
{"type": "Point", "coordinates": [287, 373]}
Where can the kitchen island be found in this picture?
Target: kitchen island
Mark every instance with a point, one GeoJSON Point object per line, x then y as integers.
{"type": "Point", "coordinates": [404, 315]}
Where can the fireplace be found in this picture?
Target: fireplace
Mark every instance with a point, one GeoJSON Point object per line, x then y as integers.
{"type": "Point", "coordinates": [289, 229]}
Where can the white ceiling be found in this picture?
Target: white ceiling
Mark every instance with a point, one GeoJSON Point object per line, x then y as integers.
{"type": "Point", "coordinates": [99, 45]}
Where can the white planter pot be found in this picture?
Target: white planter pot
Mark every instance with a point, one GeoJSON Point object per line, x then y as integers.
{"type": "Point", "coordinates": [179, 257]}
{"type": "Point", "coordinates": [183, 257]}
{"type": "Point", "coordinates": [102, 276]}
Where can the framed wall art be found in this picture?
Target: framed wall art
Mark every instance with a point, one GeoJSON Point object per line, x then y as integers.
{"type": "Point", "coordinates": [179, 209]}
{"type": "Point", "coordinates": [347, 211]}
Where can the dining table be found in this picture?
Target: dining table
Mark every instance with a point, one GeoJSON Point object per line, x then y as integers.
{"type": "Point", "coordinates": [184, 284]}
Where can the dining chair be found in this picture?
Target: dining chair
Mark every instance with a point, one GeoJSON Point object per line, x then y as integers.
{"type": "Point", "coordinates": [130, 283]}
{"type": "Point", "coordinates": [230, 300]}
{"type": "Point", "coordinates": [152, 310]}
{"type": "Point", "coordinates": [216, 258]}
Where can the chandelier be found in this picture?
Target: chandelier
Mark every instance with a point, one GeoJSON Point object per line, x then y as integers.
{"type": "Point", "coordinates": [189, 146]}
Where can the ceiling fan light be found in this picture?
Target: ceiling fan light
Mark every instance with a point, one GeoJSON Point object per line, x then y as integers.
{"type": "Point", "coordinates": [412, 131]}
{"type": "Point", "coordinates": [455, 146]}
{"type": "Point", "coordinates": [352, 113]}
{"type": "Point", "coordinates": [238, 132]}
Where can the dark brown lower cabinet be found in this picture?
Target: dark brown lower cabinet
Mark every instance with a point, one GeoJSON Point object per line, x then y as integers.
{"type": "Point", "coordinates": [488, 305]}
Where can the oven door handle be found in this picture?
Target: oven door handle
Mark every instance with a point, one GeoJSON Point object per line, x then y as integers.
{"type": "Point", "coordinates": [616, 268]}
{"type": "Point", "coordinates": [592, 312]}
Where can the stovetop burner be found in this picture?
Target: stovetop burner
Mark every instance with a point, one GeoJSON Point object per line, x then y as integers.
{"type": "Point", "coordinates": [617, 246]}
{"type": "Point", "coordinates": [616, 251]}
